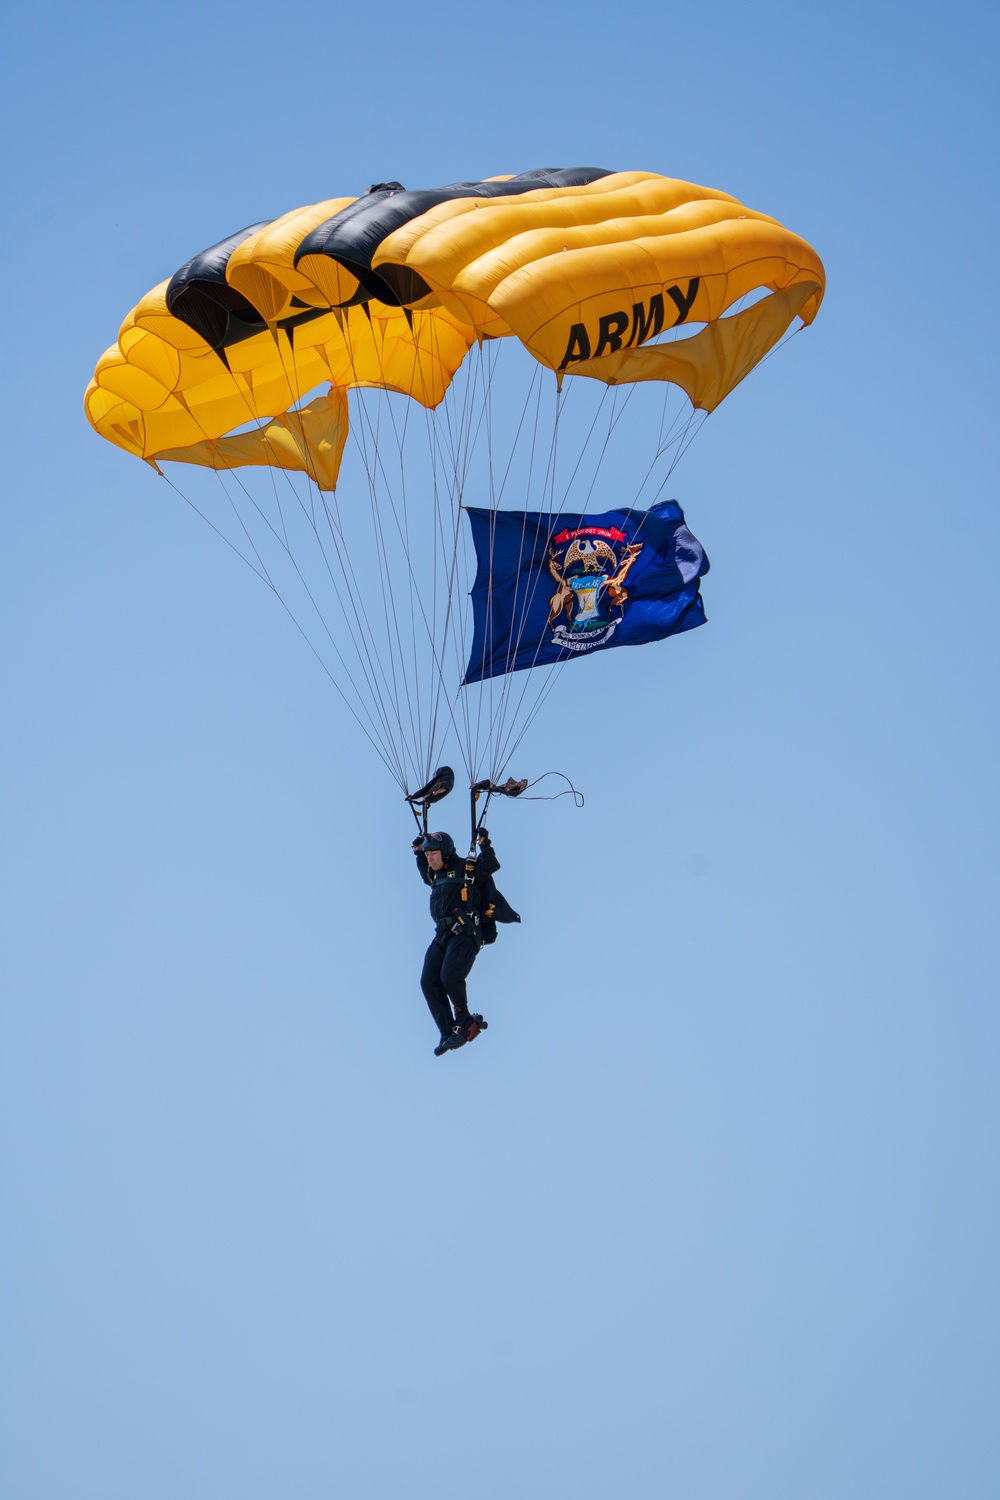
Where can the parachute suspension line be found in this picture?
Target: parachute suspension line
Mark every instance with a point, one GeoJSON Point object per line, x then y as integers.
{"type": "Point", "coordinates": [486, 691]}
{"type": "Point", "coordinates": [612, 421]}
{"type": "Point", "coordinates": [453, 554]}
{"type": "Point", "coordinates": [365, 633]}
{"type": "Point", "coordinates": [455, 475]}
{"type": "Point", "coordinates": [374, 467]}
{"type": "Point", "coordinates": [515, 722]}
{"type": "Point", "coordinates": [489, 499]}
{"type": "Point", "coordinates": [487, 356]}
{"type": "Point", "coordinates": [385, 735]}
{"type": "Point", "coordinates": [436, 689]}
{"type": "Point", "coordinates": [675, 435]}
{"type": "Point", "coordinates": [311, 517]}
{"type": "Point", "coordinates": [522, 715]}
{"type": "Point", "coordinates": [439, 549]}
{"type": "Point", "coordinates": [496, 496]}
{"type": "Point", "coordinates": [232, 505]}
{"type": "Point", "coordinates": [386, 696]}
{"type": "Point", "coordinates": [385, 730]}
{"type": "Point", "coordinates": [370, 669]}
{"type": "Point", "coordinates": [381, 485]}
{"type": "Point", "coordinates": [504, 749]}
{"type": "Point", "coordinates": [687, 436]}
{"type": "Point", "coordinates": [459, 454]}
{"type": "Point", "coordinates": [441, 569]}
{"type": "Point", "coordinates": [614, 418]}
{"type": "Point", "coordinates": [490, 503]}
{"type": "Point", "coordinates": [439, 603]}
{"type": "Point", "coordinates": [492, 355]}
{"type": "Point", "coordinates": [547, 497]}
{"type": "Point", "coordinates": [446, 551]}
{"type": "Point", "coordinates": [453, 435]}
{"type": "Point", "coordinates": [363, 651]}
{"type": "Point", "coordinates": [510, 748]}
{"type": "Point", "coordinates": [535, 386]}
{"type": "Point", "coordinates": [412, 700]}
{"type": "Point", "coordinates": [444, 548]}
{"type": "Point", "coordinates": [688, 430]}
{"type": "Point", "coordinates": [220, 534]}
{"type": "Point", "coordinates": [498, 714]}
{"type": "Point", "coordinates": [373, 738]}
{"type": "Point", "coordinates": [376, 470]}
{"type": "Point", "coordinates": [663, 419]}
{"type": "Point", "coordinates": [423, 768]}
{"type": "Point", "coordinates": [395, 636]}
{"type": "Point", "coordinates": [449, 467]}
{"type": "Point", "coordinates": [494, 504]}
{"type": "Point", "coordinates": [786, 338]}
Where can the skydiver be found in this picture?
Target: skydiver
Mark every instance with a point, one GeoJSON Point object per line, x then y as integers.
{"type": "Point", "coordinates": [461, 926]}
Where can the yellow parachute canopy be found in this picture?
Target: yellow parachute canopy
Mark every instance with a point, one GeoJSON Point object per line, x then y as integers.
{"type": "Point", "coordinates": [591, 270]}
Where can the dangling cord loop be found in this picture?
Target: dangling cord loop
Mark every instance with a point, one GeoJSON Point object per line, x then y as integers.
{"type": "Point", "coordinates": [571, 790]}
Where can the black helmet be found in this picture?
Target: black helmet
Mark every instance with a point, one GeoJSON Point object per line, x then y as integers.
{"type": "Point", "coordinates": [442, 841]}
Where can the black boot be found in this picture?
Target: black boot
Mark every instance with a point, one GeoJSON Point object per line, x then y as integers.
{"type": "Point", "coordinates": [455, 1038]}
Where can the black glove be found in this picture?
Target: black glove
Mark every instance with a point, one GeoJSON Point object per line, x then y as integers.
{"type": "Point", "coordinates": [483, 836]}
{"type": "Point", "coordinates": [415, 846]}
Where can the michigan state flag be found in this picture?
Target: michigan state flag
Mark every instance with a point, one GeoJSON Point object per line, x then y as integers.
{"type": "Point", "coordinates": [555, 588]}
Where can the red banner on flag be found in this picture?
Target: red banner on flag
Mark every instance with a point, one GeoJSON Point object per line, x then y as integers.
{"type": "Point", "coordinates": [612, 534]}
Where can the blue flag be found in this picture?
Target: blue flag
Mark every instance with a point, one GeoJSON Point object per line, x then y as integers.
{"type": "Point", "coordinates": [555, 588]}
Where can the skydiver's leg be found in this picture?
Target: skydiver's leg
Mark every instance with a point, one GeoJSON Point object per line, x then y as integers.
{"type": "Point", "coordinates": [434, 990]}
{"type": "Point", "coordinates": [459, 957]}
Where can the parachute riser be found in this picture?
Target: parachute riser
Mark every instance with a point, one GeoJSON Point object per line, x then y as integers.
{"type": "Point", "coordinates": [476, 818]}
{"type": "Point", "coordinates": [421, 822]}
{"type": "Point", "coordinates": [508, 788]}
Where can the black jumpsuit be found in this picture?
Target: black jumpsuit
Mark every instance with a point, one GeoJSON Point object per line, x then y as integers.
{"type": "Point", "coordinates": [450, 957]}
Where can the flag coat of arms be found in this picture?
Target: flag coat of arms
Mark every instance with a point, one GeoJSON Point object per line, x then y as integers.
{"type": "Point", "coordinates": [556, 588]}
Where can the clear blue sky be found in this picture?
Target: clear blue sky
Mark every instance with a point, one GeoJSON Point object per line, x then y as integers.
{"type": "Point", "coordinates": [711, 1213]}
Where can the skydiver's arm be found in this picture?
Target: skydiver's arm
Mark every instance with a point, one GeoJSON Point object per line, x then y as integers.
{"type": "Point", "coordinates": [423, 868]}
{"type": "Point", "coordinates": [486, 862]}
